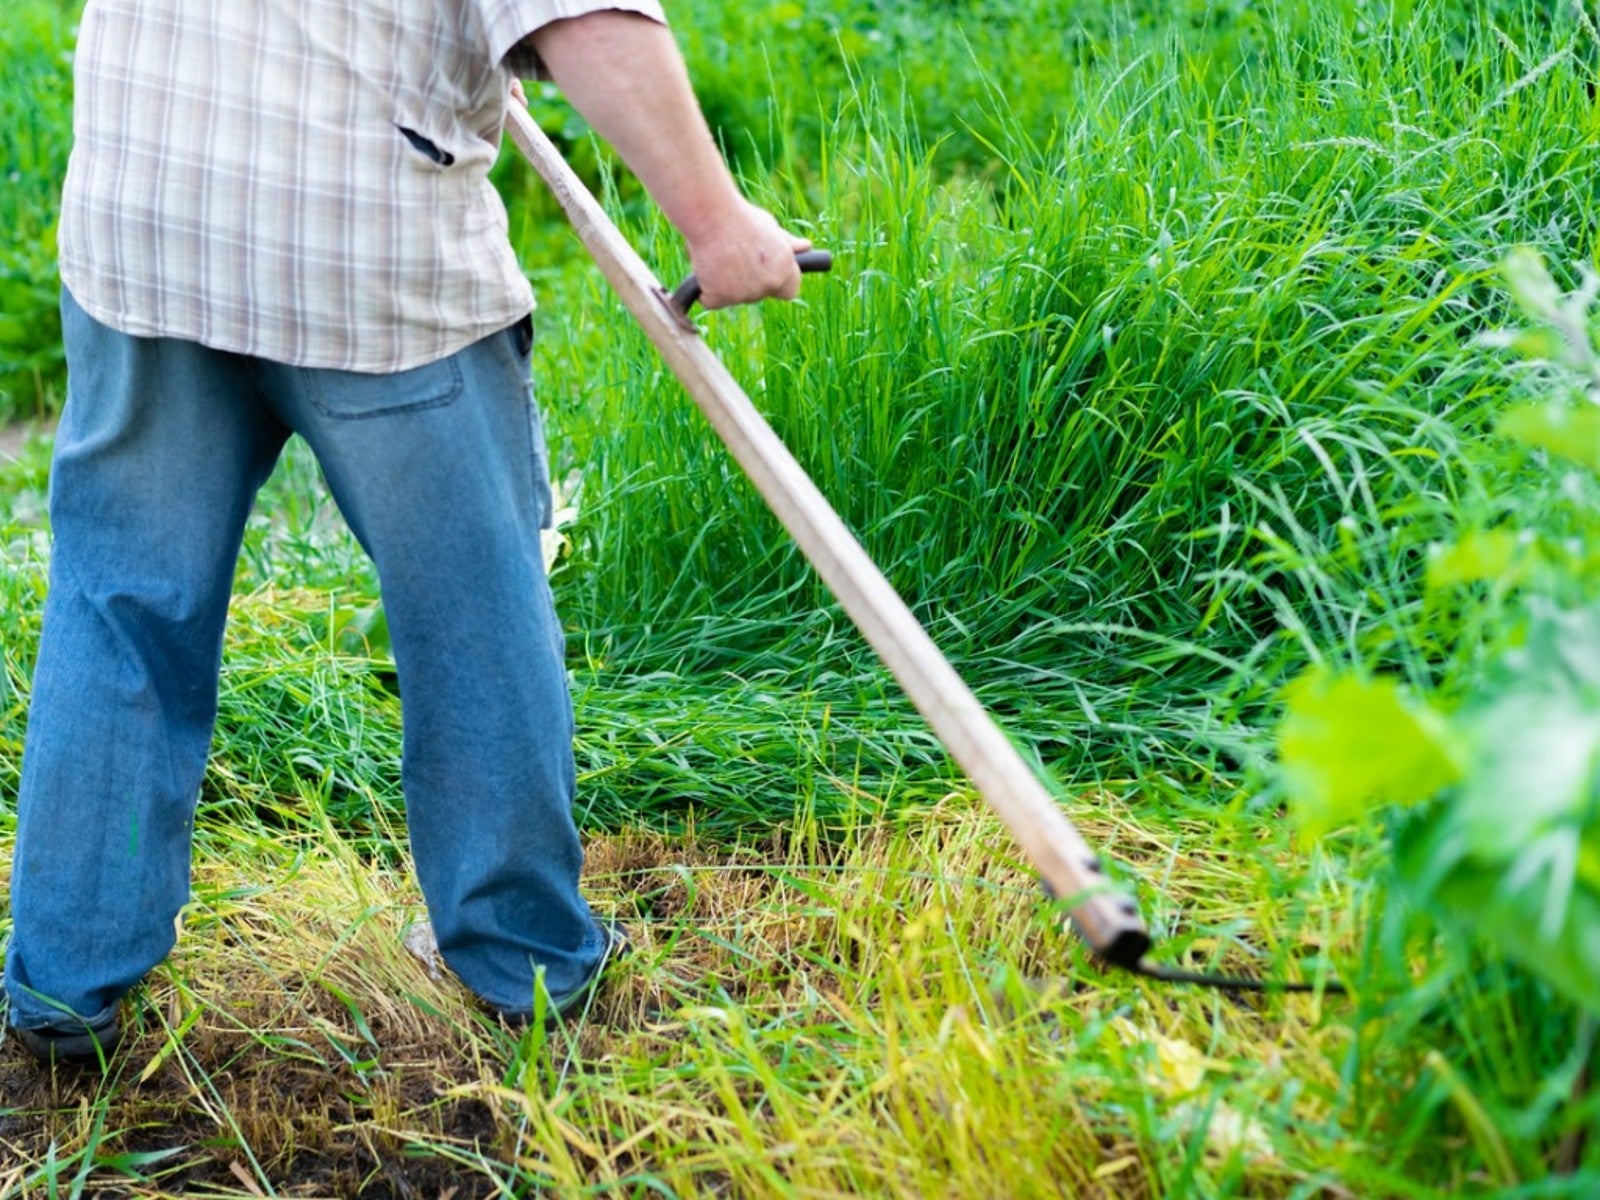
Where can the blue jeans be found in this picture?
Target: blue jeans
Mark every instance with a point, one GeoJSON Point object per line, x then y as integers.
{"type": "Point", "coordinates": [441, 473]}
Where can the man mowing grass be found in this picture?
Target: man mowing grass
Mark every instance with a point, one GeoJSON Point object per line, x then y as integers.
{"type": "Point", "coordinates": [277, 219]}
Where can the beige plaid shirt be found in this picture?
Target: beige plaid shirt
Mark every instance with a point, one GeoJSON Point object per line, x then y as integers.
{"type": "Point", "coordinates": [300, 180]}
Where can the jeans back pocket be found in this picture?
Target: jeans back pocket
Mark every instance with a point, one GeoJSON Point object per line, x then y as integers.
{"type": "Point", "coordinates": [354, 396]}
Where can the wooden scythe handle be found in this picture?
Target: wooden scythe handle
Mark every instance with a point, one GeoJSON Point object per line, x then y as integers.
{"type": "Point", "coordinates": [1108, 920]}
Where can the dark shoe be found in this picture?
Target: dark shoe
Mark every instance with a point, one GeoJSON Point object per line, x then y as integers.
{"type": "Point", "coordinates": [87, 1045]}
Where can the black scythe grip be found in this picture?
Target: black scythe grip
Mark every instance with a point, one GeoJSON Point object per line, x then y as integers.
{"type": "Point", "coordinates": [809, 262]}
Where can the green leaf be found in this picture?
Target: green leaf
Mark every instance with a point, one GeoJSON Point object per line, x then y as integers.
{"type": "Point", "coordinates": [1569, 431]}
{"type": "Point", "coordinates": [131, 1162]}
{"type": "Point", "coordinates": [1516, 855]}
{"type": "Point", "coordinates": [1346, 744]}
{"type": "Point", "coordinates": [363, 631]}
{"type": "Point", "coordinates": [1537, 345]}
{"type": "Point", "coordinates": [1530, 283]}
{"type": "Point", "coordinates": [1533, 771]}
{"type": "Point", "coordinates": [1481, 556]}
{"type": "Point", "coordinates": [1511, 909]}
{"type": "Point", "coordinates": [1536, 741]}
{"type": "Point", "coordinates": [1559, 654]}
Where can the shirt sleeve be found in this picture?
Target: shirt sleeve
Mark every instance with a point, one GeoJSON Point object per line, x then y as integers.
{"type": "Point", "coordinates": [509, 22]}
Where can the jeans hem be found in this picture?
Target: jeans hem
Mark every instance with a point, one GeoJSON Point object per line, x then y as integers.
{"type": "Point", "coordinates": [63, 1022]}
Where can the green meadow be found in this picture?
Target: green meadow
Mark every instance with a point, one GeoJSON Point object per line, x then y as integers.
{"type": "Point", "coordinates": [1217, 382]}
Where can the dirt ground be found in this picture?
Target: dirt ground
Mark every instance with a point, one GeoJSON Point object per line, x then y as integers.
{"type": "Point", "coordinates": [312, 1131]}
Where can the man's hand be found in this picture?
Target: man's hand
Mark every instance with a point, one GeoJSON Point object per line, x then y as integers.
{"type": "Point", "coordinates": [746, 257]}
{"type": "Point", "coordinates": [624, 74]}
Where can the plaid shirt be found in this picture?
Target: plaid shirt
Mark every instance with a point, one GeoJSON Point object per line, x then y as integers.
{"type": "Point", "coordinates": [306, 182]}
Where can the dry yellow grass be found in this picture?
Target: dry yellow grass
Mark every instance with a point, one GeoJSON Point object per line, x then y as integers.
{"type": "Point", "coordinates": [891, 1014]}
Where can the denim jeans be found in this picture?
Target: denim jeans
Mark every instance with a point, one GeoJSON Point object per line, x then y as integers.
{"type": "Point", "coordinates": [441, 473]}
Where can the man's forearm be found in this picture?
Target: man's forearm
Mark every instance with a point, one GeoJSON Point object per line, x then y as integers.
{"type": "Point", "coordinates": [623, 72]}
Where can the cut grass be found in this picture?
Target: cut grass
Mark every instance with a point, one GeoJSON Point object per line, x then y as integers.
{"type": "Point", "coordinates": [893, 1014]}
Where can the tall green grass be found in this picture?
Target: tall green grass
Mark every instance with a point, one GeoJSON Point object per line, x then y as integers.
{"type": "Point", "coordinates": [1078, 407]}
{"type": "Point", "coordinates": [35, 131]}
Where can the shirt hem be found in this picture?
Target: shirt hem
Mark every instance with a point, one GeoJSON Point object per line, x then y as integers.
{"type": "Point", "coordinates": [262, 348]}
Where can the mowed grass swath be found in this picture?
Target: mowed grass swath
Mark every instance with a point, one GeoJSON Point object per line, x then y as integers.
{"type": "Point", "coordinates": [1148, 372]}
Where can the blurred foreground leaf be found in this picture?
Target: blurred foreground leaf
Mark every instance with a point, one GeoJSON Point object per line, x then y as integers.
{"type": "Point", "coordinates": [1480, 556]}
{"type": "Point", "coordinates": [1530, 913]}
{"type": "Point", "coordinates": [1348, 743]}
{"type": "Point", "coordinates": [1517, 854]}
{"type": "Point", "coordinates": [1568, 431]}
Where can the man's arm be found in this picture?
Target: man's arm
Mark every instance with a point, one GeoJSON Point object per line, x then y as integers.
{"type": "Point", "coordinates": [623, 72]}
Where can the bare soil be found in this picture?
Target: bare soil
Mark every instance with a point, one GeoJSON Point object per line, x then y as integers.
{"type": "Point", "coordinates": [231, 1095]}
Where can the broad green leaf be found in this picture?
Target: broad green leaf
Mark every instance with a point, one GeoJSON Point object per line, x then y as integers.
{"type": "Point", "coordinates": [1559, 653]}
{"type": "Point", "coordinates": [1530, 283]}
{"type": "Point", "coordinates": [1533, 770]}
{"type": "Point", "coordinates": [1569, 431]}
{"type": "Point", "coordinates": [1537, 345]}
{"type": "Point", "coordinates": [1346, 744]}
{"type": "Point", "coordinates": [363, 631]}
{"type": "Point", "coordinates": [1536, 740]}
{"type": "Point", "coordinates": [1511, 908]}
{"type": "Point", "coordinates": [1481, 556]}
{"type": "Point", "coordinates": [1516, 854]}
